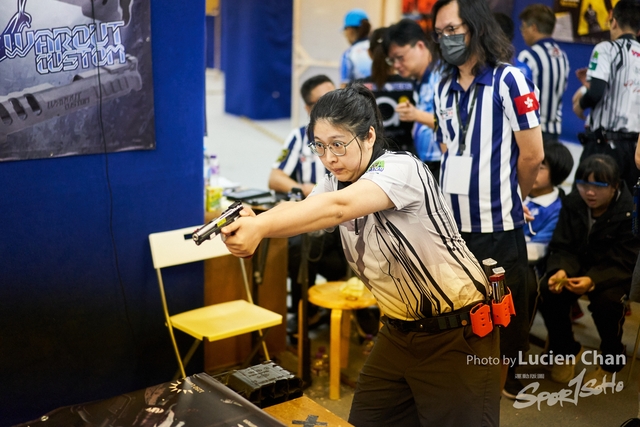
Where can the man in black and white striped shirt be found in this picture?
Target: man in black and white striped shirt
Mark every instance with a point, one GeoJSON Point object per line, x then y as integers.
{"type": "Point", "coordinates": [548, 63]}
{"type": "Point", "coordinates": [612, 91]}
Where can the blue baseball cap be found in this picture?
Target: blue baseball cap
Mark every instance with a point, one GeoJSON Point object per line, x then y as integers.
{"type": "Point", "coordinates": [354, 17]}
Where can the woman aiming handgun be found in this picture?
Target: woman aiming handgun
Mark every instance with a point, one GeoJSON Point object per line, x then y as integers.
{"type": "Point", "coordinates": [427, 366]}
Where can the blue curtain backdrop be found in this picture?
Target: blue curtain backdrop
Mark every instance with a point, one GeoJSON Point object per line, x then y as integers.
{"type": "Point", "coordinates": [256, 57]}
{"type": "Point", "coordinates": [210, 41]}
{"type": "Point", "coordinates": [78, 323]}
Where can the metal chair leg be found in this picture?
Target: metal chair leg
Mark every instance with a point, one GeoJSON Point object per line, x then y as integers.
{"type": "Point", "coordinates": [250, 299]}
{"type": "Point", "coordinates": [191, 351]}
{"type": "Point", "coordinates": [186, 360]}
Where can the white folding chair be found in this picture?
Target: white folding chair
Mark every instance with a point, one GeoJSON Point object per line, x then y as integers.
{"type": "Point", "coordinates": [212, 322]}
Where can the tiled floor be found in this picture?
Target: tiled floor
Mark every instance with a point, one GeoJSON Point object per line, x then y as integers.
{"type": "Point", "coordinates": [248, 149]}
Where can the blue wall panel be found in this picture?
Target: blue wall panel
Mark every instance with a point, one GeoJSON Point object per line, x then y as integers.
{"type": "Point", "coordinates": [71, 328]}
{"type": "Point", "coordinates": [256, 48]}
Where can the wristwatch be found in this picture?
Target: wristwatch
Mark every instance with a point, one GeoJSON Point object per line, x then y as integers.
{"type": "Point", "coordinates": [296, 194]}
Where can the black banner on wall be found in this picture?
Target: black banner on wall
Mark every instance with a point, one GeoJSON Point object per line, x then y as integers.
{"type": "Point", "coordinates": [75, 78]}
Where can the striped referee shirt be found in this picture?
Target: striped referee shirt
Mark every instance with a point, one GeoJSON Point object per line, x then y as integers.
{"type": "Point", "coordinates": [616, 62]}
{"type": "Point", "coordinates": [298, 161]}
{"type": "Point", "coordinates": [412, 256]}
{"type": "Point", "coordinates": [502, 101]}
{"type": "Point", "coordinates": [550, 72]}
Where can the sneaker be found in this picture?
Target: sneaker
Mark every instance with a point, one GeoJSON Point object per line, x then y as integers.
{"type": "Point", "coordinates": [512, 387]}
{"type": "Point", "coordinates": [565, 372]}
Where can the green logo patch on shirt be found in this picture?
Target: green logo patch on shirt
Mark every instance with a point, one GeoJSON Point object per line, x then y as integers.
{"type": "Point", "coordinates": [377, 166]}
{"type": "Point", "coordinates": [283, 155]}
{"type": "Point", "coordinates": [594, 61]}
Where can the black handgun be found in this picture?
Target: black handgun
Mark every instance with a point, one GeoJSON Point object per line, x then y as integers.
{"type": "Point", "coordinates": [212, 228]}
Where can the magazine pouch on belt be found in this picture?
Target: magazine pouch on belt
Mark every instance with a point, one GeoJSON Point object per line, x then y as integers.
{"type": "Point", "coordinates": [503, 310]}
{"type": "Point", "coordinates": [480, 316]}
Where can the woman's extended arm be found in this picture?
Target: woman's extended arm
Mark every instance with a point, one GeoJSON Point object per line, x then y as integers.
{"type": "Point", "coordinates": [318, 212]}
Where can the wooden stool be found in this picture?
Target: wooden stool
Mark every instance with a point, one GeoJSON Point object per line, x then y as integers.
{"type": "Point", "coordinates": [328, 295]}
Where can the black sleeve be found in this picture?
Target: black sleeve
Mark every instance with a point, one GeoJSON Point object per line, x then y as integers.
{"type": "Point", "coordinates": [564, 245]}
{"type": "Point", "coordinates": [594, 94]}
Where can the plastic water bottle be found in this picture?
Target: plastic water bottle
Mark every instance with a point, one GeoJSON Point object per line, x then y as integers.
{"type": "Point", "coordinates": [213, 191]}
{"type": "Point", "coordinates": [214, 171]}
{"type": "Point", "coordinates": [205, 163]}
{"type": "Point", "coordinates": [205, 173]}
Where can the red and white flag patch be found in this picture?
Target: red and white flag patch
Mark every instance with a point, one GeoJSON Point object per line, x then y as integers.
{"type": "Point", "coordinates": [527, 103]}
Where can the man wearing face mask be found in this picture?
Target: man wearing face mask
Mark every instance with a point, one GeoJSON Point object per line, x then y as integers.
{"type": "Point", "coordinates": [488, 117]}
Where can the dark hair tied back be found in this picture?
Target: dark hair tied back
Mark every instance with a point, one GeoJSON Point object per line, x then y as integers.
{"type": "Point", "coordinates": [353, 108]}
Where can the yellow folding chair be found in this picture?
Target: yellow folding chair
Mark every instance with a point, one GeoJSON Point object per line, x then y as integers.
{"type": "Point", "coordinates": [212, 322]}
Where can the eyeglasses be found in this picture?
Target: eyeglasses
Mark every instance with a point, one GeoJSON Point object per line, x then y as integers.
{"type": "Point", "coordinates": [338, 148]}
{"type": "Point", "coordinates": [591, 185]}
{"type": "Point", "coordinates": [448, 31]}
{"type": "Point", "coordinates": [398, 58]}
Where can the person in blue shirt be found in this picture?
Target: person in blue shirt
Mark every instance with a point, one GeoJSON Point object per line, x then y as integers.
{"type": "Point", "coordinates": [356, 62]}
{"type": "Point", "coordinates": [407, 49]}
{"type": "Point", "coordinates": [390, 90]}
{"type": "Point", "coordinates": [545, 199]}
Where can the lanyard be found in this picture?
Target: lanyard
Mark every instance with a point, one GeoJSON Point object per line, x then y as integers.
{"type": "Point", "coordinates": [462, 142]}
